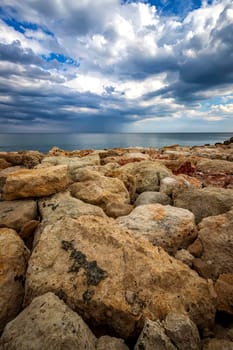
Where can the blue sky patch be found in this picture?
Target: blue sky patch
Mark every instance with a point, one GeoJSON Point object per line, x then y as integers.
{"type": "Point", "coordinates": [60, 58]}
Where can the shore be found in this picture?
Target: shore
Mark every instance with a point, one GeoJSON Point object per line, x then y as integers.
{"type": "Point", "coordinates": [117, 248]}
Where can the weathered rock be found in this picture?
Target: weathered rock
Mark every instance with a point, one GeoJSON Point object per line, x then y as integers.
{"type": "Point", "coordinates": [212, 166]}
{"type": "Point", "coordinates": [150, 197]}
{"type": "Point", "coordinates": [30, 159]}
{"type": "Point", "coordinates": [35, 182]}
{"type": "Point", "coordinates": [14, 158]}
{"type": "Point", "coordinates": [100, 190]}
{"type": "Point", "coordinates": [184, 256]}
{"type": "Point", "coordinates": [115, 210]}
{"type": "Point", "coordinates": [215, 235]}
{"type": "Point", "coordinates": [205, 202]}
{"type": "Point", "coordinates": [196, 248]}
{"type": "Point", "coordinates": [28, 228]}
{"type": "Point", "coordinates": [112, 278]}
{"type": "Point", "coordinates": [182, 332]}
{"type": "Point", "coordinates": [110, 343]}
{"type": "Point", "coordinates": [148, 174]}
{"type": "Point", "coordinates": [153, 337]}
{"type": "Point", "coordinates": [224, 290]}
{"type": "Point", "coordinates": [15, 214]}
{"type": "Point", "coordinates": [128, 180]}
{"type": "Point", "coordinates": [13, 263]}
{"type": "Point", "coordinates": [5, 172]}
{"type": "Point", "coordinates": [174, 184]}
{"type": "Point", "coordinates": [73, 163]}
{"type": "Point", "coordinates": [129, 157]}
{"type": "Point", "coordinates": [4, 164]}
{"type": "Point", "coordinates": [164, 226]}
{"type": "Point", "coordinates": [47, 323]}
{"type": "Point", "coordinates": [217, 344]}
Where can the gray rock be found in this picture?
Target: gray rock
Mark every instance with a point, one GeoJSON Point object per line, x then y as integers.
{"type": "Point", "coordinates": [150, 197]}
{"type": "Point", "coordinates": [205, 202]}
{"type": "Point", "coordinates": [15, 214]}
{"type": "Point", "coordinates": [47, 323]}
{"type": "Point", "coordinates": [182, 332]}
{"type": "Point", "coordinates": [153, 337]}
{"type": "Point", "coordinates": [110, 343]}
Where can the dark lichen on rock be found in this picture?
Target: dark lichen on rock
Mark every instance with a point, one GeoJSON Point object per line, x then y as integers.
{"type": "Point", "coordinates": [87, 295]}
{"type": "Point", "coordinates": [94, 273]}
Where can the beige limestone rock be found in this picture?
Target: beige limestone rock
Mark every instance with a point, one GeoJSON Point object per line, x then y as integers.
{"type": "Point", "coordinates": [163, 225]}
{"type": "Point", "coordinates": [215, 235]}
{"type": "Point", "coordinates": [100, 190]}
{"type": "Point", "coordinates": [5, 172]}
{"type": "Point", "coordinates": [184, 256]}
{"type": "Point", "coordinates": [4, 164]}
{"type": "Point", "coordinates": [13, 263]}
{"type": "Point", "coordinates": [110, 343]}
{"type": "Point", "coordinates": [116, 209]}
{"type": "Point", "coordinates": [224, 290]}
{"type": "Point", "coordinates": [112, 278]}
{"type": "Point", "coordinates": [217, 344]}
{"type": "Point", "coordinates": [152, 197]}
{"type": "Point", "coordinates": [205, 202]}
{"type": "Point", "coordinates": [173, 184]}
{"type": "Point", "coordinates": [35, 182]}
{"type": "Point", "coordinates": [47, 323]}
{"type": "Point", "coordinates": [214, 166]}
{"type": "Point", "coordinates": [15, 214]}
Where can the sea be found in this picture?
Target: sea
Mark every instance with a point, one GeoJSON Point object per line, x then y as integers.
{"type": "Point", "coordinates": [76, 141]}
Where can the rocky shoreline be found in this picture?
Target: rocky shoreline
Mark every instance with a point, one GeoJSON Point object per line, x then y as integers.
{"type": "Point", "coordinates": [117, 249]}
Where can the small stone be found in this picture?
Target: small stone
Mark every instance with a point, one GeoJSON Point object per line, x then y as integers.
{"type": "Point", "coordinates": [150, 197]}
{"type": "Point", "coordinates": [184, 256]}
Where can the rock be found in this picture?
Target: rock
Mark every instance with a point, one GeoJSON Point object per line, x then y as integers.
{"type": "Point", "coordinates": [72, 162]}
{"type": "Point", "coordinates": [114, 279]}
{"type": "Point", "coordinates": [164, 226]}
{"type": "Point", "coordinates": [28, 229]}
{"type": "Point", "coordinates": [15, 214]}
{"type": "Point", "coordinates": [115, 210]}
{"type": "Point", "coordinates": [182, 332]}
{"type": "Point", "coordinates": [63, 204]}
{"type": "Point", "coordinates": [150, 197]}
{"type": "Point", "coordinates": [13, 264]}
{"type": "Point", "coordinates": [217, 344]}
{"type": "Point", "coordinates": [148, 174]}
{"type": "Point", "coordinates": [184, 256]}
{"type": "Point", "coordinates": [110, 343]}
{"type": "Point", "coordinates": [196, 248]}
{"type": "Point", "coordinates": [35, 182]}
{"type": "Point", "coordinates": [4, 164]}
{"type": "Point", "coordinates": [30, 159]}
{"type": "Point", "coordinates": [47, 323]}
{"type": "Point", "coordinates": [128, 180]}
{"type": "Point", "coordinates": [214, 166]}
{"type": "Point", "coordinates": [5, 172]}
{"type": "Point", "coordinates": [205, 202]}
{"type": "Point", "coordinates": [215, 235]}
{"type": "Point", "coordinates": [224, 290]}
{"type": "Point", "coordinates": [153, 337]}
{"type": "Point", "coordinates": [100, 190]}
{"type": "Point", "coordinates": [14, 158]}
{"type": "Point", "coordinates": [126, 158]}
{"type": "Point", "coordinates": [175, 184]}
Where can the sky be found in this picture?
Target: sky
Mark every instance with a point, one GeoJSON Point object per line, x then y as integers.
{"type": "Point", "coordinates": [116, 66]}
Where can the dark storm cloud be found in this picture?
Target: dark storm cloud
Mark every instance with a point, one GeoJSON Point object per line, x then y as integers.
{"type": "Point", "coordinates": [15, 53]}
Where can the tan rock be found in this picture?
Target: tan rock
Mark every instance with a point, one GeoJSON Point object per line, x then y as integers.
{"type": "Point", "coordinates": [174, 184]}
{"type": "Point", "coordinates": [13, 263]}
{"type": "Point", "coordinates": [47, 323]}
{"type": "Point", "coordinates": [100, 190]}
{"type": "Point", "coordinates": [28, 229]}
{"type": "Point", "coordinates": [163, 225]}
{"type": "Point", "coordinates": [4, 164]}
{"type": "Point", "coordinates": [152, 197]}
{"type": "Point", "coordinates": [110, 343]}
{"type": "Point", "coordinates": [224, 290]}
{"type": "Point", "coordinates": [217, 344]}
{"type": "Point", "coordinates": [205, 202]}
{"type": "Point", "coordinates": [214, 166]}
{"type": "Point", "coordinates": [5, 172]}
{"type": "Point", "coordinates": [35, 182]}
{"type": "Point", "coordinates": [73, 163]}
{"type": "Point", "coordinates": [215, 234]}
{"type": "Point", "coordinates": [128, 180]}
{"type": "Point", "coordinates": [112, 278]}
{"type": "Point", "coordinates": [184, 256]}
{"type": "Point", "coordinates": [115, 210]}
{"type": "Point", "coordinates": [15, 214]}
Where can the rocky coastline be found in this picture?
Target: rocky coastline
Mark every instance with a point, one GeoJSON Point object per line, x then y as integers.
{"type": "Point", "coordinates": [117, 249]}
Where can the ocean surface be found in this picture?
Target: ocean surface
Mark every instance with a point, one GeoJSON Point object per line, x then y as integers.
{"type": "Point", "coordinates": [44, 142]}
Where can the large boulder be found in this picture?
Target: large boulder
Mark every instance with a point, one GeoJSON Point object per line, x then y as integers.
{"type": "Point", "coordinates": [163, 225]}
{"type": "Point", "coordinates": [13, 264]}
{"type": "Point", "coordinates": [100, 190]}
{"type": "Point", "coordinates": [113, 278]}
{"type": "Point", "coordinates": [35, 182]}
{"type": "Point", "coordinates": [15, 214]}
{"type": "Point", "coordinates": [216, 239]}
{"type": "Point", "coordinates": [205, 202]}
{"type": "Point", "coordinates": [47, 323]}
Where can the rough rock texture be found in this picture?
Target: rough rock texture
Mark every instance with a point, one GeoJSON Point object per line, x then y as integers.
{"type": "Point", "coordinates": [214, 166]}
{"type": "Point", "coordinates": [153, 337]}
{"type": "Point", "coordinates": [115, 210]}
{"type": "Point", "coordinates": [13, 262]}
{"type": "Point", "coordinates": [164, 226]}
{"type": "Point", "coordinates": [174, 184]}
{"type": "Point", "coordinates": [15, 214]}
{"type": "Point", "coordinates": [150, 197]}
{"type": "Point", "coordinates": [215, 236]}
{"type": "Point", "coordinates": [205, 202]}
{"type": "Point", "coordinates": [182, 332]}
{"type": "Point", "coordinates": [5, 172]}
{"type": "Point", "coordinates": [128, 180]}
{"type": "Point", "coordinates": [110, 343]}
{"type": "Point", "coordinates": [47, 323]}
{"type": "Point", "coordinates": [112, 278]}
{"type": "Point", "coordinates": [100, 190]}
{"type": "Point", "coordinates": [4, 164]}
{"type": "Point", "coordinates": [217, 344]}
{"type": "Point", "coordinates": [73, 162]}
{"type": "Point", "coordinates": [148, 174]}
{"type": "Point", "coordinates": [224, 290]}
{"type": "Point", "coordinates": [35, 182]}
{"type": "Point", "coordinates": [184, 256]}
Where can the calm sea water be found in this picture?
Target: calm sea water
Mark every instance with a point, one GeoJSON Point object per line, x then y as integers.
{"type": "Point", "coordinates": [44, 142]}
